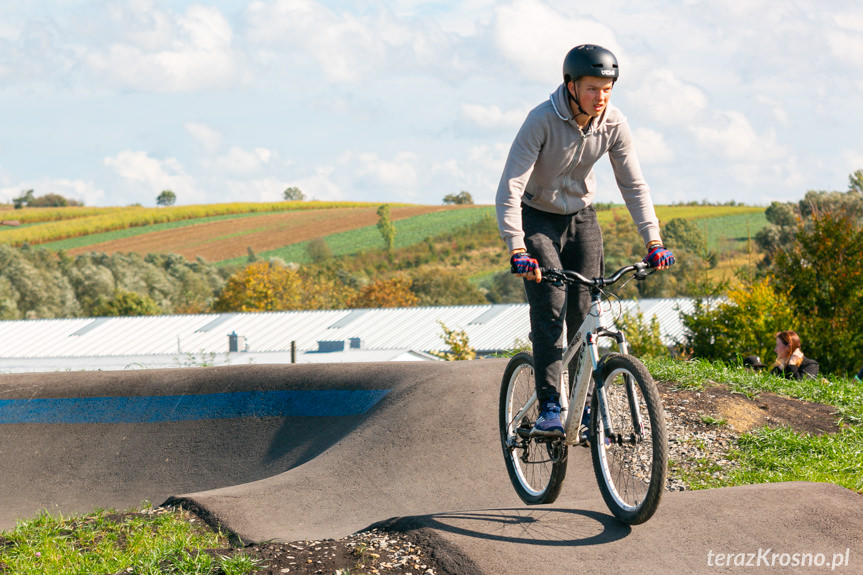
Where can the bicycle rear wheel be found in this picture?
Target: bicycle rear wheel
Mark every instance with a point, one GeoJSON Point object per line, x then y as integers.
{"type": "Point", "coordinates": [535, 466]}
{"type": "Point", "coordinates": [630, 458]}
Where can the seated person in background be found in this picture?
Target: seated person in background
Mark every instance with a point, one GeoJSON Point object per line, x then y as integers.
{"type": "Point", "coordinates": [790, 361]}
{"type": "Point", "coordinates": [859, 376]}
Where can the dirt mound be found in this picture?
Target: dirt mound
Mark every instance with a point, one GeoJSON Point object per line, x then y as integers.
{"type": "Point", "coordinates": [718, 403]}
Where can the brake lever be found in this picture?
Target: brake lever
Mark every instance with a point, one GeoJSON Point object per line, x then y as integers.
{"type": "Point", "coordinates": [553, 277]}
{"type": "Point", "coordinates": [643, 273]}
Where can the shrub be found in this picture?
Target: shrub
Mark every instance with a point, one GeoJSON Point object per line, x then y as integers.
{"type": "Point", "coordinates": [644, 338]}
{"type": "Point", "coordinates": [445, 287]}
{"type": "Point", "coordinates": [744, 324]}
{"type": "Point", "coordinates": [393, 292]}
{"type": "Point", "coordinates": [458, 343]}
{"type": "Point", "coordinates": [822, 273]}
{"type": "Point", "coordinates": [124, 303]}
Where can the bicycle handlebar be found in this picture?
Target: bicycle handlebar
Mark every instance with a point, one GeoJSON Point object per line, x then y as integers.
{"type": "Point", "coordinates": [641, 269]}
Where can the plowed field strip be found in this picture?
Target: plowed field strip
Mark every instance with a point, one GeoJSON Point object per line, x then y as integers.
{"type": "Point", "coordinates": [221, 240]}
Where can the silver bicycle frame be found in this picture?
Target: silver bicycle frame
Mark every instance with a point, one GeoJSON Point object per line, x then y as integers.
{"type": "Point", "coordinates": [597, 324]}
{"type": "Point", "coordinates": [586, 338]}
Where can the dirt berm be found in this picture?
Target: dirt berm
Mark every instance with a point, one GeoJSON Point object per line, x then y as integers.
{"type": "Point", "coordinates": [299, 452]}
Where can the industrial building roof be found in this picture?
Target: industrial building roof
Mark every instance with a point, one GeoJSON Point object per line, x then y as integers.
{"type": "Point", "coordinates": [302, 336]}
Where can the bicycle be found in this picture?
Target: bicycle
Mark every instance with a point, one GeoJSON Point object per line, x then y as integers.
{"type": "Point", "coordinates": [626, 430]}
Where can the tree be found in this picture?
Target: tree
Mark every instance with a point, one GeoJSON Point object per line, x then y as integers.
{"type": "Point", "coordinates": [166, 198]}
{"type": "Point", "coordinates": [745, 324]}
{"type": "Point", "coordinates": [273, 286]}
{"type": "Point", "coordinates": [124, 303]}
{"type": "Point", "coordinates": [23, 199]}
{"type": "Point", "coordinates": [822, 273]}
{"type": "Point", "coordinates": [318, 250]}
{"type": "Point", "coordinates": [393, 292]}
{"type": "Point", "coordinates": [52, 201]}
{"type": "Point", "coordinates": [387, 229]}
{"type": "Point", "coordinates": [261, 286]}
{"type": "Point", "coordinates": [445, 287]}
{"type": "Point", "coordinates": [506, 288]}
{"type": "Point", "coordinates": [294, 194]}
{"type": "Point", "coordinates": [855, 182]}
{"type": "Point", "coordinates": [461, 198]}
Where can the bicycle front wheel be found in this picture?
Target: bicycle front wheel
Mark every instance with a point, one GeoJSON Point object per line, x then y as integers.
{"type": "Point", "coordinates": [536, 466]}
{"type": "Point", "coordinates": [630, 456]}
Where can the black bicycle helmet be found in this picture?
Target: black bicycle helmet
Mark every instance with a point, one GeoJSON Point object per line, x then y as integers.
{"type": "Point", "coordinates": [589, 60]}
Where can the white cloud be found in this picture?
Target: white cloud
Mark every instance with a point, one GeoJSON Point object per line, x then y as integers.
{"type": "Point", "coordinates": [492, 116]}
{"type": "Point", "coordinates": [851, 160]}
{"type": "Point", "coordinates": [398, 173]}
{"type": "Point", "coordinates": [209, 138]}
{"type": "Point", "coordinates": [776, 107]}
{"type": "Point", "coordinates": [168, 52]}
{"type": "Point", "coordinates": [847, 47]}
{"type": "Point", "coordinates": [149, 176]}
{"type": "Point", "coordinates": [257, 190]}
{"type": "Point", "coordinates": [344, 46]}
{"type": "Point", "coordinates": [239, 161]}
{"type": "Point", "coordinates": [731, 136]}
{"type": "Point", "coordinates": [321, 186]}
{"type": "Point", "coordinates": [667, 99]}
{"type": "Point", "coordinates": [535, 37]}
{"type": "Point", "coordinates": [652, 147]}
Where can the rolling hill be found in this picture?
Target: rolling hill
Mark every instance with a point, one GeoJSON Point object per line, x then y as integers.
{"type": "Point", "coordinates": [224, 233]}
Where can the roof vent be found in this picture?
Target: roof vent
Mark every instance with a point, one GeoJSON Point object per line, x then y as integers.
{"type": "Point", "coordinates": [331, 346]}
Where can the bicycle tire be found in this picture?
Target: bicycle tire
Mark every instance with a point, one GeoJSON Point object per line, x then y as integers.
{"type": "Point", "coordinates": [536, 467]}
{"type": "Point", "coordinates": [631, 474]}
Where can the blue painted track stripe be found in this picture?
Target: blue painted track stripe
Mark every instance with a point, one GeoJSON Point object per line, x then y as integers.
{"type": "Point", "coordinates": [151, 409]}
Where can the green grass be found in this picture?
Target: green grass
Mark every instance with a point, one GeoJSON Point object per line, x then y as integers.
{"type": "Point", "coordinates": [728, 233]}
{"type": "Point", "coordinates": [108, 542]}
{"type": "Point", "coordinates": [409, 231]}
{"type": "Point", "coordinates": [768, 455]}
{"type": "Point", "coordinates": [841, 392]}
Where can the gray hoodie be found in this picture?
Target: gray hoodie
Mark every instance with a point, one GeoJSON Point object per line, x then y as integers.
{"type": "Point", "coordinates": [550, 168]}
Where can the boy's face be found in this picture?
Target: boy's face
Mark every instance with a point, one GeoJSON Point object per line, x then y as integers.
{"type": "Point", "coordinates": [593, 94]}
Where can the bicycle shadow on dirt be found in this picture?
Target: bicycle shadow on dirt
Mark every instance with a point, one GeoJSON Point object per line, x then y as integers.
{"type": "Point", "coordinates": [534, 526]}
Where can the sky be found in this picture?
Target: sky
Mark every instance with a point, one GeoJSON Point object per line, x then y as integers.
{"type": "Point", "coordinates": [111, 102]}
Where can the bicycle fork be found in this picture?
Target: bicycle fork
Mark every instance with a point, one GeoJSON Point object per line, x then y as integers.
{"type": "Point", "coordinates": [594, 370]}
{"type": "Point", "coordinates": [615, 436]}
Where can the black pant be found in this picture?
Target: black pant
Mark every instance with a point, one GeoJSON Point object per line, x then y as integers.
{"type": "Point", "coordinates": [572, 242]}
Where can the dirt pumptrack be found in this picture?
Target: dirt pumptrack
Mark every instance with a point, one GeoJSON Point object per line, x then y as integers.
{"type": "Point", "coordinates": [301, 452]}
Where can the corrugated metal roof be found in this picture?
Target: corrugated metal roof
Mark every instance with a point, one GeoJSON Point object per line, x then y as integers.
{"type": "Point", "coordinates": [488, 327]}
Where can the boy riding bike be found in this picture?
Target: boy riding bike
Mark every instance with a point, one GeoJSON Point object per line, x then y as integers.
{"type": "Point", "coordinates": [544, 210]}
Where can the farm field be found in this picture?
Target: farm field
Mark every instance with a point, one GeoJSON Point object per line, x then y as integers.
{"type": "Point", "coordinates": [224, 233]}
{"type": "Point", "coordinates": [229, 238]}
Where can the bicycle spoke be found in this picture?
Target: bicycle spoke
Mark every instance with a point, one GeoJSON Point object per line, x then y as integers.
{"type": "Point", "coordinates": [536, 467]}
{"type": "Point", "coordinates": [630, 456]}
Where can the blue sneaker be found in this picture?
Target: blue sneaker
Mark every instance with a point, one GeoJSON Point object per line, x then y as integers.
{"type": "Point", "coordinates": [585, 417]}
{"type": "Point", "coordinates": [548, 423]}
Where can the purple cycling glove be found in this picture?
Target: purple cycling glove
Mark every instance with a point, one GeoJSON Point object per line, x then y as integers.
{"type": "Point", "coordinates": [522, 263]}
{"type": "Point", "coordinates": [658, 256]}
